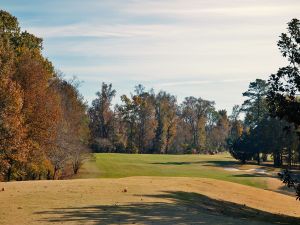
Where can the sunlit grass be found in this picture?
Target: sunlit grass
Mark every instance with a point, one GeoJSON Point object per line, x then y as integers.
{"type": "Point", "coordinates": [110, 165]}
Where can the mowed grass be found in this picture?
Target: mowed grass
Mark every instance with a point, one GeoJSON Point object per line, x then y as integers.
{"type": "Point", "coordinates": [111, 165]}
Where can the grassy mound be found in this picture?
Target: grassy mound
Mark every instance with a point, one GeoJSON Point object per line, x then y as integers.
{"type": "Point", "coordinates": [144, 200]}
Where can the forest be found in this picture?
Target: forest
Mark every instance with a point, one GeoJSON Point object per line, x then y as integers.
{"type": "Point", "coordinates": [47, 128]}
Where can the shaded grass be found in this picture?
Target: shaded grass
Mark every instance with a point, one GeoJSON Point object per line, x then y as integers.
{"type": "Point", "coordinates": [111, 165]}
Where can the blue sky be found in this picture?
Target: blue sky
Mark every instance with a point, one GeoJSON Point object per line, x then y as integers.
{"type": "Point", "coordinates": [205, 48]}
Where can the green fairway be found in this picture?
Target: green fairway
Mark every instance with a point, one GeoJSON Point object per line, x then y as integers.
{"type": "Point", "coordinates": [106, 165]}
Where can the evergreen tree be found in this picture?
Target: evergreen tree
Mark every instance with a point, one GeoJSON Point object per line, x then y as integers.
{"type": "Point", "coordinates": [255, 106]}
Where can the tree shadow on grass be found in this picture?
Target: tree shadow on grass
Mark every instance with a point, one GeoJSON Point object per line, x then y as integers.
{"type": "Point", "coordinates": [255, 175]}
{"type": "Point", "coordinates": [221, 163]}
{"type": "Point", "coordinates": [176, 163]}
{"type": "Point", "coordinates": [184, 208]}
{"type": "Point", "coordinates": [216, 163]}
{"type": "Point", "coordinates": [224, 163]}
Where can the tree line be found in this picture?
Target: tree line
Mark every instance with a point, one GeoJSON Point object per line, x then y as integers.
{"type": "Point", "coordinates": [43, 120]}
{"type": "Point", "coordinates": [149, 122]}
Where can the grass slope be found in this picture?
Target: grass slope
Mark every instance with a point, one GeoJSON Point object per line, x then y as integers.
{"type": "Point", "coordinates": [147, 200]}
{"type": "Point", "coordinates": [205, 166]}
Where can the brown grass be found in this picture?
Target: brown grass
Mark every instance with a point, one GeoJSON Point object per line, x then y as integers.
{"type": "Point", "coordinates": [147, 200]}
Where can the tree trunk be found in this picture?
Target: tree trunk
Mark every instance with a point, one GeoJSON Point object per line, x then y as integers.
{"type": "Point", "coordinates": [167, 144]}
{"type": "Point", "coordinates": [48, 175]}
{"type": "Point", "coordinates": [277, 159]}
{"type": "Point", "coordinates": [55, 172]}
{"type": "Point", "coordinates": [8, 175]}
{"type": "Point", "coordinates": [265, 157]}
{"type": "Point", "coordinates": [290, 158]}
{"type": "Point", "coordinates": [76, 166]}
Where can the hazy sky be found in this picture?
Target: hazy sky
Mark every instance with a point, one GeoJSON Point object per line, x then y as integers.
{"type": "Point", "coordinates": [205, 48]}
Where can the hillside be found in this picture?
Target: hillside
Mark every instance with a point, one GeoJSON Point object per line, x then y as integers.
{"type": "Point", "coordinates": [143, 200]}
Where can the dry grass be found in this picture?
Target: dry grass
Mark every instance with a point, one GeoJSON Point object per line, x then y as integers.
{"type": "Point", "coordinates": [146, 200]}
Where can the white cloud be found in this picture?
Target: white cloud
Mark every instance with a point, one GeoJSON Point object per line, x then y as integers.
{"type": "Point", "coordinates": [97, 30]}
{"type": "Point", "coordinates": [195, 8]}
{"type": "Point", "coordinates": [199, 82]}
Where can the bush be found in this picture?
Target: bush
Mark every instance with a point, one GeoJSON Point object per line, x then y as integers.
{"type": "Point", "coordinates": [240, 149]}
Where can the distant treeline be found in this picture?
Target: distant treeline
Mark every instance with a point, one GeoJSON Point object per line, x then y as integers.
{"type": "Point", "coordinates": [149, 122]}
